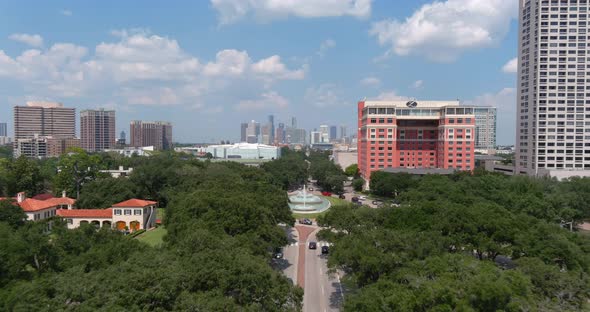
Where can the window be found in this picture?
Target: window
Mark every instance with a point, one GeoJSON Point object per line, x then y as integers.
{"type": "Point", "coordinates": [70, 221]}
{"type": "Point", "coordinates": [127, 212]}
{"type": "Point", "coordinates": [117, 212]}
{"type": "Point", "coordinates": [137, 212]}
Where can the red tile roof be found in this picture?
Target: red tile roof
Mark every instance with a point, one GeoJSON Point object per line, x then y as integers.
{"type": "Point", "coordinates": [85, 213]}
{"type": "Point", "coordinates": [61, 201]}
{"type": "Point", "coordinates": [135, 203]}
{"type": "Point", "coordinates": [30, 205]}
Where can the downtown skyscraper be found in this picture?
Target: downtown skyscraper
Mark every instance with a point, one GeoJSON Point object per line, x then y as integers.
{"type": "Point", "coordinates": [97, 129]}
{"type": "Point", "coordinates": [44, 119]}
{"type": "Point", "coordinates": [553, 123]}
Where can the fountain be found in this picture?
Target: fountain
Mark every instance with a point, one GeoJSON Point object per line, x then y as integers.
{"type": "Point", "coordinates": [303, 202]}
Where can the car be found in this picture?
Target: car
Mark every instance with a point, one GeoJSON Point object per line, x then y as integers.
{"type": "Point", "coordinates": [305, 221]}
{"type": "Point", "coordinates": [278, 254]}
{"type": "Point", "coordinates": [355, 199]}
{"type": "Point", "coordinates": [376, 202]}
{"type": "Point", "coordinates": [362, 197]}
{"type": "Point", "coordinates": [310, 189]}
{"type": "Point", "coordinates": [313, 245]}
{"type": "Point", "coordinates": [325, 250]}
{"type": "Point", "coordinates": [341, 196]}
{"type": "Point", "coordinates": [327, 194]}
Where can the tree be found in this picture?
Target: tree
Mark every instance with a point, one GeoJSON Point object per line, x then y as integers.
{"type": "Point", "coordinates": [358, 184]}
{"type": "Point", "coordinates": [75, 169]}
{"type": "Point", "coordinates": [11, 213]}
{"type": "Point", "coordinates": [22, 175]}
{"type": "Point", "coordinates": [352, 171]}
{"type": "Point", "coordinates": [104, 192]}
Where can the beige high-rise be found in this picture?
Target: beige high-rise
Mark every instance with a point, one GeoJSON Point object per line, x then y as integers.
{"type": "Point", "coordinates": [44, 119]}
{"type": "Point", "coordinates": [151, 133]}
{"type": "Point", "coordinates": [97, 129]}
{"type": "Point", "coordinates": [553, 103]}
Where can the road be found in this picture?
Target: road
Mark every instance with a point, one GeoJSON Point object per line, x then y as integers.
{"type": "Point", "coordinates": [309, 269]}
{"type": "Point", "coordinates": [322, 291]}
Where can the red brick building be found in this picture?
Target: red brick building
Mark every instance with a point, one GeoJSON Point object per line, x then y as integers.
{"type": "Point", "coordinates": [415, 134]}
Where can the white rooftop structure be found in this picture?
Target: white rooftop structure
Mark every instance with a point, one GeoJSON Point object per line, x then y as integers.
{"type": "Point", "coordinates": [243, 151]}
{"type": "Point", "coordinates": [44, 104]}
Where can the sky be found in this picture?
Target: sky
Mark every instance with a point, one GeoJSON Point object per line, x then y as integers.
{"type": "Point", "coordinates": [208, 65]}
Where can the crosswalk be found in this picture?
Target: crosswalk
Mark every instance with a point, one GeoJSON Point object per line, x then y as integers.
{"type": "Point", "coordinates": [320, 244]}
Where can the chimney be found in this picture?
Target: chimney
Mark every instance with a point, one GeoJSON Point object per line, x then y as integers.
{"type": "Point", "coordinates": [63, 194]}
{"type": "Point", "coordinates": [20, 197]}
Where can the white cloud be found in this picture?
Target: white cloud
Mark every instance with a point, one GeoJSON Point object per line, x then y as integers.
{"type": "Point", "coordinates": [32, 40]}
{"type": "Point", "coordinates": [139, 68]}
{"type": "Point", "coordinates": [231, 11]}
{"type": "Point", "coordinates": [66, 12]}
{"type": "Point", "coordinates": [389, 96]}
{"type": "Point", "coordinates": [371, 81]}
{"type": "Point", "coordinates": [325, 46]}
{"type": "Point", "coordinates": [322, 96]}
{"type": "Point", "coordinates": [441, 31]}
{"type": "Point", "coordinates": [511, 67]}
{"type": "Point", "coordinates": [267, 100]}
{"type": "Point", "coordinates": [418, 84]}
{"type": "Point", "coordinates": [505, 102]}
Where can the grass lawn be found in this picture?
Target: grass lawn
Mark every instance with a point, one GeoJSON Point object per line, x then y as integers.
{"type": "Point", "coordinates": [154, 237]}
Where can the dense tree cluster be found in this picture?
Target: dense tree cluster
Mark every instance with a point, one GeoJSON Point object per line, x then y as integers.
{"type": "Point", "coordinates": [480, 242]}
{"type": "Point", "coordinates": [289, 171]}
{"type": "Point", "coordinates": [329, 176]}
{"type": "Point", "coordinates": [222, 221]}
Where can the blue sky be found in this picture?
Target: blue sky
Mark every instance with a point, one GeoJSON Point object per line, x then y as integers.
{"type": "Point", "coordinates": [208, 65]}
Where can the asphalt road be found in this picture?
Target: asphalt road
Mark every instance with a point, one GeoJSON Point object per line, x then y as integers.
{"type": "Point", "coordinates": [322, 290]}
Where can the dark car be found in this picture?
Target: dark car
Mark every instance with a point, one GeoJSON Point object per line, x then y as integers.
{"type": "Point", "coordinates": [313, 245]}
{"type": "Point", "coordinates": [355, 199]}
{"type": "Point", "coordinates": [325, 250]}
{"type": "Point", "coordinates": [341, 196]}
{"type": "Point", "coordinates": [278, 254]}
{"type": "Point", "coordinates": [306, 221]}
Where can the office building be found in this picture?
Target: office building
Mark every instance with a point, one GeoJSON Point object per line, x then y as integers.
{"type": "Point", "coordinates": [333, 133]}
{"type": "Point", "coordinates": [35, 147]}
{"type": "Point", "coordinates": [44, 119]}
{"type": "Point", "coordinates": [325, 134]}
{"type": "Point", "coordinates": [342, 132]}
{"type": "Point", "coordinates": [4, 140]}
{"type": "Point", "coordinates": [3, 129]}
{"type": "Point", "coordinates": [315, 137]}
{"type": "Point", "coordinates": [553, 122]}
{"type": "Point", "coordinates": [271, 129]}
{"type": "Point", "coordinates": [58, 146]}
{"type": "Point", "coordinates": [243, 132]}
{"type": "Point", "coordinates": [293, 122]}
{"type": "Point", "coordinates": [280, 134]}
{"type": "Point", "coordinates": [411, 134]}
{"type": "Point", "coordinates": [97, 129]}
{"type": "Point", "coordinates": [151, 133]}
{"type": "Point", "coordinates": [485, 128]}
{"type": "Point", "coordinates": [253, 132]}
{"type": "Point", "coordinates": [295, 136]}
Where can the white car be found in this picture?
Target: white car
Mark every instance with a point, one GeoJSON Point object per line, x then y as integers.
{"type": "Point", "coordinates": [363, 197]}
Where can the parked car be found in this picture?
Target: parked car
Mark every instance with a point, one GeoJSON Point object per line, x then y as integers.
{"type": "Point", "coordinates": [326, 193]}
{"type": "Point", "coordinates": [310, 189]}
{"type": "Point", "coordinates": [362, 197]}
{"type": "Point", "coordinates": [355, 199]}
{"type": "Point", "coordinates": [278, 254]}
{"type": "Point", "coordinates": [325, 250]}
{"type": "Point", "coordinates": [376, 202]}
{"type": "Point", "coordinates": [313, 245]}
{"type": "Point", "coordinates": [305, 221]}
{"type": "Point", "coordinates": [341, 196]}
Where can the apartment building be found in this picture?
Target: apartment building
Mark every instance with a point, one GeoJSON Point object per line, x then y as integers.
{"type": "Point", "coordinates": [97, 129]}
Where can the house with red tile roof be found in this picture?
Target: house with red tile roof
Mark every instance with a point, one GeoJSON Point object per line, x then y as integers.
{"type": "Point", "coordinates": [43, 207]}
{"type": "Point", "coordinates": [130, 215]}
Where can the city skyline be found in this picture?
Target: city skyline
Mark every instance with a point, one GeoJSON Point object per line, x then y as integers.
{"type": "Point", "coordinates": [140, 64]}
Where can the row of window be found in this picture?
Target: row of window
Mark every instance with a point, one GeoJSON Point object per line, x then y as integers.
{"type": "Point", "coordinates": [44, 215]}
{"type": "Point", "coordinates": [127, 212]}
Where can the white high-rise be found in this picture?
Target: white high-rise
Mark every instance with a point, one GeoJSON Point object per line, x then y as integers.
{"type": "Point", "coordinates": [553, 108]}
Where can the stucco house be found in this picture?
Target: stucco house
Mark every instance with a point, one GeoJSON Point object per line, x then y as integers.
{"type": "Point", "coordinates": [42, 206]}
